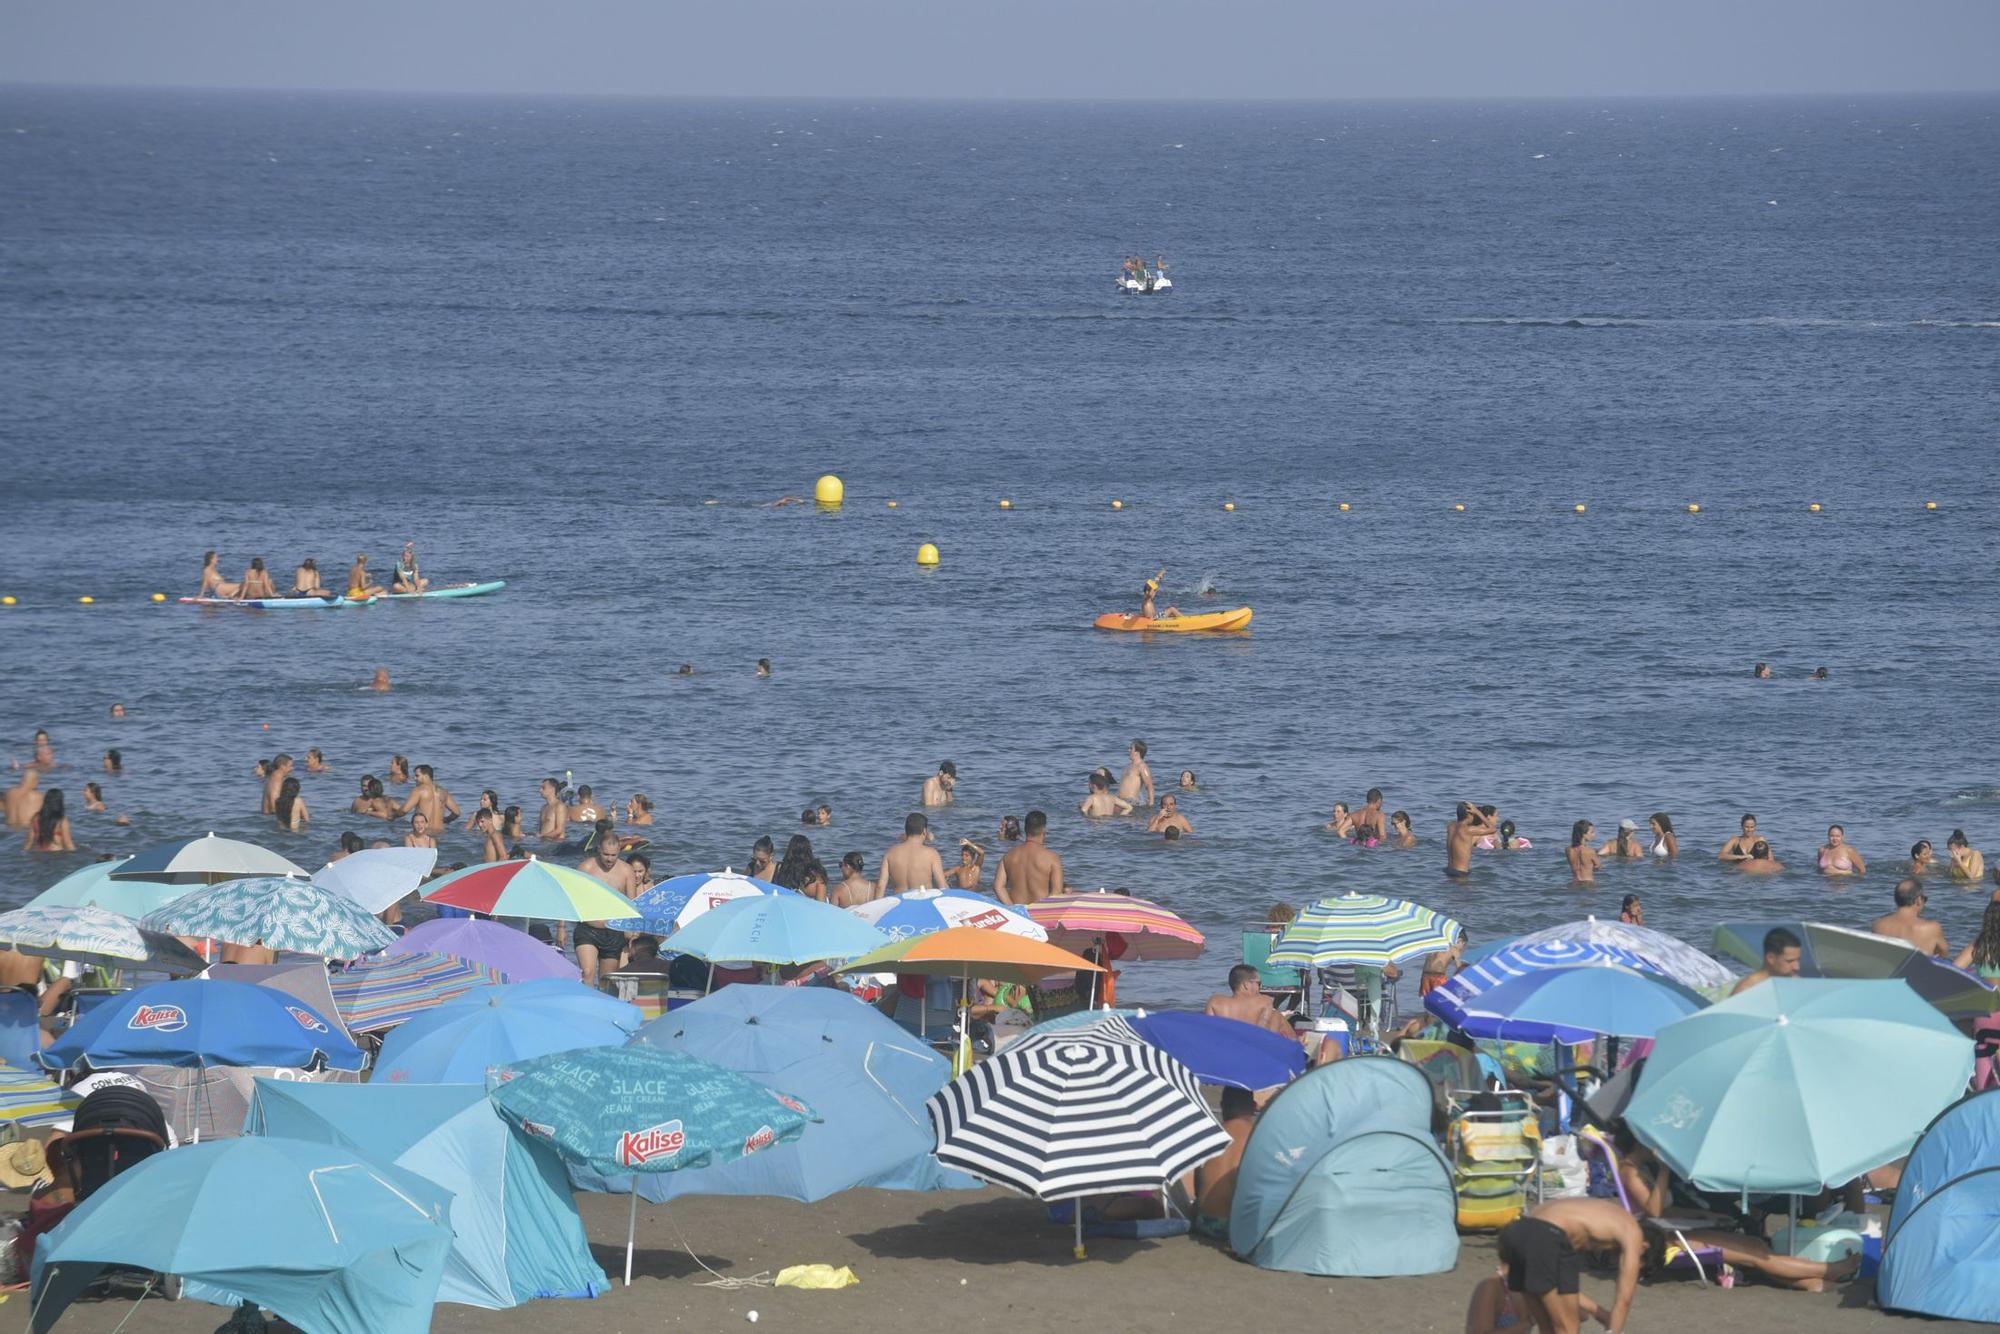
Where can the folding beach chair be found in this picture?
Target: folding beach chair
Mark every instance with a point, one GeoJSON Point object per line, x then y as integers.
{"type": "Point", "coordinates": [1495, 1147]}
{"type": "Point", "coordinates": [1285, 986]}
{"type": "Point", "coordinates": [20, 1030]}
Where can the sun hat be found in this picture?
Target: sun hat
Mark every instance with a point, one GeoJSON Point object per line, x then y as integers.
{"type": "Point", "coordinates": [23, 1165]}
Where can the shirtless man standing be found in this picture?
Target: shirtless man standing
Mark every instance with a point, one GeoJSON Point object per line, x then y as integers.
{"type": "Point", "coordinates": [24, 802]}
{"type": "Point", "coordinates": [1369, 822]}
{"type": "Point", "coordinates": [1471, 825]}
{"type": "Point", "coordinates": [1540, 1249]}
{"type": "Point", "coordinates": [553, 826]}
{"type": "Point", "coordinates": [1909, 923]}
{"type": "Point", "coordinates": [1738, 848]}
{"type": "Point", "coordinates": [938, 787]}
{"type": "Point", "coordinates": [1137, 777]}
{"type": "Point", "coordinates": [428, 798]}
{"type": "Point", "coordinates": [1029, 872]}
{"type": "Point", "coordinates": [1169, 817]}
{"type": "Point", "coordinates": [596, 942]}
{"type": "Point", "coordinates": [586, 810]}
{"type": "Point", "coordinates": [1247, 1002]}
{"type": "Point", "coordinates": [912, 863]}
{"type": "Point", "coordinates": [274, 778]}
{"type": "Point", "coordinates": [1100, 804]}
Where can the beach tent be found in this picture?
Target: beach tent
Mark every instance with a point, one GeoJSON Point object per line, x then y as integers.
{"type": "Point", "coordinates": [1941, 1250]}
{"type": "Point", "coordinates": [517, 1233]}
{"type": "Point", "coordinates": [1342, 1176]}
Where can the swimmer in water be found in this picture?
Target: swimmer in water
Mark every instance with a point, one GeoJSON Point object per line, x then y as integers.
{"type": "Point", "coordinates": [1738, 848]}
{"type": "Point", "coordinates": [971, 866]}
{"type": "Point", "coordinates": [1583, 859]}
{"type": "Point", "coordinates": [1762, 671]}
{"type": "Point", "coordinates": [1101, 804]}
{"type": "Point", "coordinates": [763, 669]}
{"type": "Point", "coordinates": [1371, 820]}
{"type": "Point", "coordinates": [117, 710]}
{"type": "Point", "coordinates": [420, 832]}
{"type": "Point", "coordinates": [1342, 824]}
{"type": "Point", "coordinates": [1838, 856]}
{"type": "Point", "coordinates": [315, 761]}
{"type": "Point", "coordinates": [1921, 855]}
{"type": "Point", "coordinates": [1472, 824]}
{"type": "Point", "coordinates": [399, 770]}
{"type": "Point", "coordinates": [1966, 861]}
{"type": "Point", "coordinates": [1664, 842]}
{"type": "Point", "coordinates": [1625, 843]}
{"type": "Point", "coordinates": [1137, 778]}
{"type": "Point", "coordinates": [686, 669]}
{"type": "Point", "coordinates": [380, 682]}
{"type": "Point", "coordinates": [1401, 836]}
{"type": "Point", "coordinates": [1187, 780]}
{"type": "Point", "coordinates": [1631, 911]}
{"type": "Point", "coordinates": [1169, 817]}
{"type": "Point", "coordinates": [639, 810]}
{"type": "Point", "coordinates": [1760, 861]}
{"type": "Point", "coordinates": [213, 585]}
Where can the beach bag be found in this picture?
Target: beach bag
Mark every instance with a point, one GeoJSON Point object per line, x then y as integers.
{"type": "Point", "coordinates": [1565, 1175]}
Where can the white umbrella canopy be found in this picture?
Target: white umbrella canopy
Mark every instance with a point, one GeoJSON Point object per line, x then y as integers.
{"type": "Point", "coordinates": [375, 878]}
{"type": "Point", "coordinates": [1674, 958]}
{"type": "Point", "coordinates": [203, 861]}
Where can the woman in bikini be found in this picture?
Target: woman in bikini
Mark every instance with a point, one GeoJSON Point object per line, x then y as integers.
{"type": "Point", "coordinates": [48, 831]}
{"type": "Point", "coordinates": [1342, 824]}
{"type": "Point", "coordinates": [290, 807]}
{"type": "Point", "coordinates": [305, 580]}
{"type": "Point", "coordinates": [1664, 842]}
{"type": "Point", "coordinates": [213, 585]}
{"type": "Point", "coordinates": [1966, 863]}
{"type": "Point", "coordinates": [1838, 856]}
{"type": "Point", "coordinates": [1583, 859]}
{"type": "Point", "coordinates": [1400, 834]}
{"type": "Point", "coordinates": [257, 580]}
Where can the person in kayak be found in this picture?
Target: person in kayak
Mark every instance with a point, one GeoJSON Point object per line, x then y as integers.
{"type": "Point", "coordinates": [409, 578]}
{"type": "Point", "coordinates": [1146, 600]}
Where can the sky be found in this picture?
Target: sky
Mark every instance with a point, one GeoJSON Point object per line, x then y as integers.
{"type": "Point", "coordinates": [1163, 49]}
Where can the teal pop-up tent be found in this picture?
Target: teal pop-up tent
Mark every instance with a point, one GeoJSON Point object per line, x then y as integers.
{"type": "Point", "coordinates": [1341, 1176]}
{"type": "Point", "coordinates": [1941, 1250]}
{"type": "Point", "coordinates": [517, 1233]}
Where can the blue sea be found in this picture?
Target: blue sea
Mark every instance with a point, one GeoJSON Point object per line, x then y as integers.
{"type": "Point", "coordinates": [579, 345]}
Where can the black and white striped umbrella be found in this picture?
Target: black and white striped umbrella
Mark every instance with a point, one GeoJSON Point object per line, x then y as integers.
{"type": "Point", "coordinates": [1077, 1112]}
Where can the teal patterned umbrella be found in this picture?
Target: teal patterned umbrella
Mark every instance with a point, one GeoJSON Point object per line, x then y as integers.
{"type": "Point", "coordinates": [95, 936]}
{"type": "Point", "coordinates": [1362, 929]}
{"type": "Point", "coordinates": [619, 1111]}
{"type": "Point", "coordinates": [281, 912]}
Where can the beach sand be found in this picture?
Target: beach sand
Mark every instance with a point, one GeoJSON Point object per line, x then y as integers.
{"type": "Point", "coordinates": [968, 1262]}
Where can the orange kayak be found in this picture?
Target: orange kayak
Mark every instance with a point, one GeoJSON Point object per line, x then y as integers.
{"type": "Point", "coordinates": [1239, 619]}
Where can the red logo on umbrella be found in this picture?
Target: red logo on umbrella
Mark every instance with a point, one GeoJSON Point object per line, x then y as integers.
{"type": "Point", "coordinates": [165, 1018]}
{"type": "Point", "coordinates": [762, 1138]}
{"type": "Point", "coordinates": [989, 919]}
{"type": "Point", "coordinates": [307, 1019]}
{"type": "Point", "coordinates": [792, 1103]}
{"type": "Point", "coordinates": [639, 1147]}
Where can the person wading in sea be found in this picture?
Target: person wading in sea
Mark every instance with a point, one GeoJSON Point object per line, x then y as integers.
{"type": "Point", "coordinates": [1030, 871]}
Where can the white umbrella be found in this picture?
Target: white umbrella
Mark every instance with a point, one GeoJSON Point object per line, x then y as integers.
{"type": "Point", "coordinates": [375, 878]}
{"type": "Point", "coordinates": [203, 861]}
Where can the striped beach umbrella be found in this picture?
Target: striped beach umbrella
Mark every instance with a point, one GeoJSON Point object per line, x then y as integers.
{"type": "Point", "coordinates": [528, 887]}
{"type": "Point", "coordinates": [920, 912]}
{"type": "Point", "coordinates": [1149, 931]}
{"type": "Point", "coordinates": [1457, 1001]}
{"type": "Point", "coordinates": [280, 912]}
{"type": "Point", "coordinates": [203, 861]}
{"type": "Point", "coordinates": [385, 990]}
{"type": "Point", "coordinates": [1365, 930]}
{"type": "Point", "coordinates": [94, 936]}
{"type": "Point", "coordinates": [1086, 1112]}
{"type": "Point", "coordinates": [674, 902]}
{"type": "Point", "coordinates": [1663, 953]}
{"type": "Point", "coordinates": [29, 1099]}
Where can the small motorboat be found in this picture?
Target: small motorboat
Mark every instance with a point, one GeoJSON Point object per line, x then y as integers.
{"type": "Point", "coordinates": [1138, 280]}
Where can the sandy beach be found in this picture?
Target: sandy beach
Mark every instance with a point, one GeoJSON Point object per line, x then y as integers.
{"type": "Point", "coordinates": [970, 1262]}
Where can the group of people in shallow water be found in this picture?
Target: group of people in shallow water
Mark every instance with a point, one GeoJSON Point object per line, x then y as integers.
{"type": "Point", "coordinates": [408, 577]}
{"type": "Point", "coordinates": [44, 812]}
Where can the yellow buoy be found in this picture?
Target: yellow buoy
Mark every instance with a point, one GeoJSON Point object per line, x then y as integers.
{"type": "Point", "coordinates": [829, 490]}
{"type": "Point", "coordinates": [1694, 509]}
{"type": "Point", "coordinates": [1006, 504]}
{"type": "Point", "coordinates": [892, 504]}
{"type": "Point", "coordinates": [7, 601]}
{"type": "Point", "coordinates": [927, 554]}
{"type": "Point", "coordinates": [159, 597]}
{"type": "Point", "coordinates": [1579, 509]}
{"type": "Point", "coordinates": [1118, 504]}
{"type": "Point", "coordinates": [1343, 507]}
{"type": "Point", "coordinates": [1458, 509]}
{"type": "Point", "coordinates": [1930, 504]}
{"type": "Point", "coordinates": [86, 599]}
{"type": "Point", "coordinates": [1814, 507]}
{"type": "Point", "coordinates": [1229, 505]}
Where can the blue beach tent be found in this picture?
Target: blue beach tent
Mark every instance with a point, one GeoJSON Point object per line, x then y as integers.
{"type": "Point", "coordinates": [517, 1233]}
{"type": "Point", "coordinates": [1342, 1176]}
{"type": "Point", "coordinates": [1941, 1250]}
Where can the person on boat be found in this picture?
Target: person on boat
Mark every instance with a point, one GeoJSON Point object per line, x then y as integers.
{"type": "Point", "coordinates": [359, 584]}
{"type": "Point", "coordinates": [409, 578]}
{"type": "Point", "coordinates": [213, 585]}
{"type": "Point", "coordinates": [305, 580]}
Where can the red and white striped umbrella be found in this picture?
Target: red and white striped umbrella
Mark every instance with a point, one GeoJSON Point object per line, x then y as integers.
{"type": "Point", "coordinates": [1149, 931]}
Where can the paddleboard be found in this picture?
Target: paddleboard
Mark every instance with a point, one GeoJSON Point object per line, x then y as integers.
{"type": "Point", "coordinates": [455, 591]}
{"type": "Point", "coordinates": [279, 604]}
{"type": "Point", "coordinates": [1237, 619]}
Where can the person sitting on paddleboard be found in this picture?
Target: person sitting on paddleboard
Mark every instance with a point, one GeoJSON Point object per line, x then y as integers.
{"type": "Point", "coordinates": [359, 584]}
{"type": "Point", "coordinates": [257, 580]}
{"type": "Point", "coordinates": [305, 580]}
{"type": "Point", "coordinates": [213, 585]}
{"type": "Point", "coordinates": [409, 579]}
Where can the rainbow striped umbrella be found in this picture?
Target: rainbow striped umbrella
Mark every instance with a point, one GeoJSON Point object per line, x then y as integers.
{"type": "Point", "coordinates": [1366, 930]}
{"type": "Point", "coordinates": [388, 989]}
{"type": "Point", "coordinates": [531, 888]}
{"type": "Point", "coordinates": [1150, 931]}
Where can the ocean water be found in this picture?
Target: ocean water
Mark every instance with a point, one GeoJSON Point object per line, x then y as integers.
{"type": "Point", "coordinates": [578, 345]}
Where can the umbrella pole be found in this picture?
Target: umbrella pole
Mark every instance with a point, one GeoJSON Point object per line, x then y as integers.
{"type": "Point", "coordinates": [631, 1232]}
{"type": "Point", "coordinates": [710, 991]}
{"type": "Point", "coordinates": [1078, 1203]}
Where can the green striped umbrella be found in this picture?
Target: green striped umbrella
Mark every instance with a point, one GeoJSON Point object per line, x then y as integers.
{"type": "Point", "coordinates": [1362, 929]}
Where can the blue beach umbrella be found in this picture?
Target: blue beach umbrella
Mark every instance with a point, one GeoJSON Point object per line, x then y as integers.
{"type": "Point", "coordinates": [327, 1238]}
{"type": "Point", "coordinates": [1223, 1051]}
{"type": "Point", "coordinates": [1797, 1084]}
{"type": "Point", "coordinates": [777, 929]}
{"type": "Point", "coordinates": [920, 912]}
{"type": "Point", "coordinates": [1606, 998]}
{"type": "Point", "coordinates": [93, 887]}
{"type": "Point", "coordinates": [623, 1111]}
{"type": "Point", "coordinates": [678, 900]}
{"type": "Point", "coordinates": [280, 912]}
{"type": "Point", "coordinates": [1455, 1001]}
{"type": "Point", "coordinates": [460, 1040]}
{"type": "Point", "coordinates": [200, 1022]}
{"type": "Point", "coordinates": [866, 1078]}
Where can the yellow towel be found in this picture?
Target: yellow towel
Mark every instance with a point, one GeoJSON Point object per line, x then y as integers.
{"type": "Point", "coordinates": [816, 1276]}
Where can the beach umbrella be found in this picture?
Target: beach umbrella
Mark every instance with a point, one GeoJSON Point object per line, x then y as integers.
{"type": "Point", "coordinates": [776, 929]}
{"type": "Point", "coordinates": [325, 1237]}
{"type": "Point", "coordinates": [95, 936]}
{"type": "Point", "coordinates": [203, 861]}
{"type": "Point", "coordinates": [385, 990]}
{"type": "Point", "coordinates": [1455, 1000]}
{"type": "Point", "coordinates": [1223, 1051]}
{"type": "Point", "coordinates": [279, 912]}
{"type": "Point", "coordinates": [1149, 931]}
{"type": "Point", "coordinates": [674, 902]}
{"type": "Point", "coordinates": [1362, 930]}
{"type": "Point", "coordinates": [1086, 1112]}
{"type": "Point", "coordinates": [377, 878]}
{"type": "Point", "coordinates": [624, 1111]}
{"type": "Point", "coordinates": [301, 979]}
{"type": "Point", "coordinates": [970, 951]}
{"type": "Point", "coordinates": [1663, 953]}
{"type": "Point", "coordinates": [459, 1041]}
{"type": "Point", "coordinates": [919, 912]}
{"type": "Point", "coordinates": [865, 1077]}
{"type": "Point", "coordinates": [1597, 998]}
{"type": "Point", "coordinates": [513, 954]}
{"type": "Point", "coordinates": [1838, 951]}
{"type": "Point", "coordinates": [29, 1100]}
{"type": "Point", "coordinates": [93, 886]}
{"type": "Point", "coordinates": [1797, 1084]}
{"type": "Point", "coordinates": [199, 1022]}
{"type": "Point", "coordinates": [528, 887]}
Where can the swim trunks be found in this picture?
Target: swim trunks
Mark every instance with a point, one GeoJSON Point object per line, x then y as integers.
{"type": "Point", "coordinates": [608, 942]}
{"type": "Point", "coordinates": [1457, 874]}
{"type": "Point", "coordinates": [1539, 1258]}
